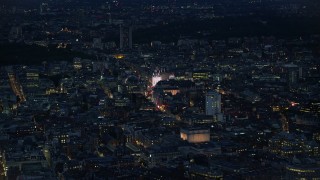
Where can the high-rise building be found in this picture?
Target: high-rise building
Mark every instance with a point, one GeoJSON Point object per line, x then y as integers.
{"type": "Point", "coordinates": [44, 8]}
{"type": "Point", "coordinates": [125, 37]}
{"type": "Point", "coordinates": [130, 37]}
{"type": "Point", "coordinates": [109, 18]}
{"type": "Point", "coordinates": [121, 37]}
{"type": "Point", "coordinates": [32, 78]}
{"type": "Point", "coordinates": [213, 103]}
{"type": "Point", "coordinates": [293, 76]}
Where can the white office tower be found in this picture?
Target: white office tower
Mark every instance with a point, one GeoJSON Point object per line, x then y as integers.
{"type": "Point", "coordinates": [213, 105]}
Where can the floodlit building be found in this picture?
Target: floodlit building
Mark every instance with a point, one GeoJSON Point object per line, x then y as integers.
{"type": "Point", "coordinates": [195, 135]}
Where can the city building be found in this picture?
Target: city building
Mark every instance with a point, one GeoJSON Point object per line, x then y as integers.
{"type": "Point", "coordinates": [195, 135]}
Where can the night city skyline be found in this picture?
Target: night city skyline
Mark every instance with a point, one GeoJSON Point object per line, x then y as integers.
{"type": "Point", "coordinates": [160, 89]}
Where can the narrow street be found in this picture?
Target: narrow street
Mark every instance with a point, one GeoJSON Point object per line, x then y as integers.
{"type": "Point", "coordinates": [16, 87]}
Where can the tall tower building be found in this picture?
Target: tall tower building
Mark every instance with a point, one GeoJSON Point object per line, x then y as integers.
{"type": "Point", "coordinates": [43, 8]}
{"type": "Point", "coordinates": [109, 18]}
{"type": "Point", "coordinates": [130, 37]}
{"type": "Point", "coordinates": [121, 37]}
{"type": "Point", "coordinates": [125, 37]}
{"type": "Point", "coordinates": [213, 105]}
